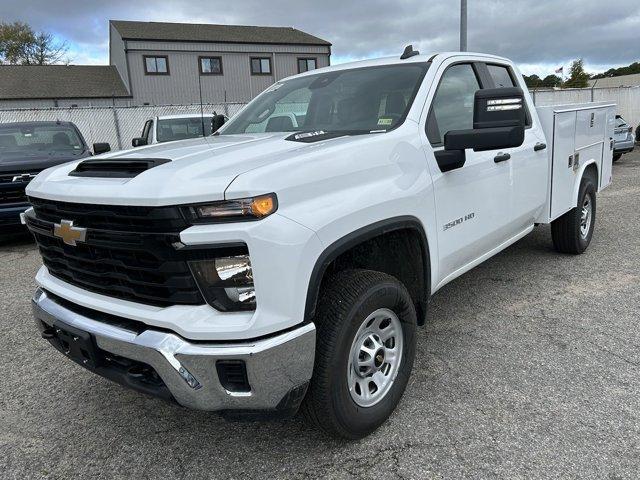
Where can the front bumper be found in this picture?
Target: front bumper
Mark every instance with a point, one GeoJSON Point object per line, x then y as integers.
{"type": "Point", "coordinates": [278, 368]}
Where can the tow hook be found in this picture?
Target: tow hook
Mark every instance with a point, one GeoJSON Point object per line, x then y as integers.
{"type": "Point", "coordinates": [48, 333]}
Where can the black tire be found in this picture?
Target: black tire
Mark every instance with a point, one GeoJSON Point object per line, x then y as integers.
{"type": "Point", "coordinates": [617, 156]}
{"type": "Point", "coordinates": [347, 299]}
{"type": "Point", "coordinates": [566, 230]}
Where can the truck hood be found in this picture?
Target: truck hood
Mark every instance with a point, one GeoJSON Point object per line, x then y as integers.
{"type": "Point", "coordinates": [12, 161]}
{"type": "Point", "coordinates": [199, 171]}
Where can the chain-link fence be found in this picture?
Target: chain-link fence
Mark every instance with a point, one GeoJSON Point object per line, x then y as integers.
{"type": "Point", "coordinates": [119, 125]}
{"type": "Point", "coordinates": [115, 125]}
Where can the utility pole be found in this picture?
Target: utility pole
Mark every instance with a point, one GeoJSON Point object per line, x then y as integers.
{"type": "Point", "coordinates": [463, 25]}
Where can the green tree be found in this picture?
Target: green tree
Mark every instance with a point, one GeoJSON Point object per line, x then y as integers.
{"type": "Point", "coordinates": [21, 45]}
{"type": "Point", "coordinates": [532, 81]}
{"type": "Point", "coordinates": [551, 81]}
{"type": "Point", "coordinates": [578, 78]}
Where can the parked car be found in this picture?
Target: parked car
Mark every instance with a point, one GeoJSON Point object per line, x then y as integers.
{"type": "Point", "coordinates": [638, 133]}
{"type": "Point", "coordinates": [25, 150]}
{"type": "Point", "coordinates": [624, 141]}
{"type": "Point", "coordinates": [285, 264]}
{"type": "Point", "coordinates": [169, 128]}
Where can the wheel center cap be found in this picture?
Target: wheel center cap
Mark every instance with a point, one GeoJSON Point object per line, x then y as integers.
{"type": "Point", "coordinates": [379, 358]}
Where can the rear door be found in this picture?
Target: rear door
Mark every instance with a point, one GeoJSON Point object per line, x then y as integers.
{"type": "Point", "coordinates": [472, 202]}
{"type": "Point", "coordinates": [528, 165]}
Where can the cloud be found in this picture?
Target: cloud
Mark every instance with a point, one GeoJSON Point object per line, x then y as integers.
{"type": "Point", "coordinates": [535, 33]}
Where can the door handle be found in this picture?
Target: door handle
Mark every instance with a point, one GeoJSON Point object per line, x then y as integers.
{"type": "Point", "coordinates": [501, 157]}
{"type": "Point", "coordinates": [539, 146]}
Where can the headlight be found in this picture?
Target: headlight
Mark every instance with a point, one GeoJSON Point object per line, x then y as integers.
{"type": "Point", "coordinates": [226, 282]}
{"type": "Point", "coordinates": [242, 209]}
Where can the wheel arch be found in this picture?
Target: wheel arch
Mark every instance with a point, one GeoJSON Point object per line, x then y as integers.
{"type": "Point", "coordinates": [359, 237]}
{"type": "Point", "coordinates": [586, 169]}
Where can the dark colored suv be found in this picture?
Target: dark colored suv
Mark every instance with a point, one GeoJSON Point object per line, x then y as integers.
{"type": "Point", "coordinates": [25, 150]}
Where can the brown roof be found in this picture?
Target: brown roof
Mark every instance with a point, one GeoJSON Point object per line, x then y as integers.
{"type": "Point", "coordinates": [192, 32]}
{"type": "Point", "coordinates": [60, 81]}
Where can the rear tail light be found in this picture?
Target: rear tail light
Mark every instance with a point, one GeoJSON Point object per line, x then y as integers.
{"type": "Point", "coordinates": [630, 129]}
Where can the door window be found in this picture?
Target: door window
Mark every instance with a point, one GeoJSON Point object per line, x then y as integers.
{"type": "Point", "coordinates": [501, 76]}
{"type": "Point", "coordinates": [147, 129]}
{"type": "Point", "coordinates": [452, 105]}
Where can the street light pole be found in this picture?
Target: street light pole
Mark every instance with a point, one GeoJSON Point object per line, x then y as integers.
{"type": "Point", "coordinates": [463, 25]}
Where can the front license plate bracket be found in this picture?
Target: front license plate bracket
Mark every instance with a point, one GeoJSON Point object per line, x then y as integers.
{"type": "Point", "coordinates": [78, 345]}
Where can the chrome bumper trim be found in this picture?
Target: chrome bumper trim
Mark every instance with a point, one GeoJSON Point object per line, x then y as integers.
{"type": "Point", "coordinates": [275, 365]}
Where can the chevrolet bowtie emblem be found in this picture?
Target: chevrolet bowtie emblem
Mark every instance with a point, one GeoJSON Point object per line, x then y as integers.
{"type": "Point", "coordinates": [23, 177]}
{"type": "Point", "coordinates": [68, 233]}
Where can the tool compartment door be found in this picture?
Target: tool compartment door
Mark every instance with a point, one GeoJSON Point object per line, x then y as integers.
{"type": "Point", "coordinates": [592, 141]}
{"type": "Point", "coordinates": [562, 174]}
{"type": "Point", "coordinates": [607, 155]}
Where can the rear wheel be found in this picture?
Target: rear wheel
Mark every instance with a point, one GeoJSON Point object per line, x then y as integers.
{"type": "Point", "coordinates": [365, 346]}
{"type": "Point", "coordinates": [572, 232]}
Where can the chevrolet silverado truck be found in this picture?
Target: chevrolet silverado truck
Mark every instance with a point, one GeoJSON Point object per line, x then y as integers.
{"type": "Point", "coordinates": [285, 262]}
{"type": "Point", "coordinates": [26, 149]}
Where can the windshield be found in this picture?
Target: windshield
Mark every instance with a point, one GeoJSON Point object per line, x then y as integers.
{"type": "Point", "coordinates": [620, 122]}
{"type": "Point", "coordinates": [170, 129]}
{"type": "Point", "coordinates": [39, 138]}
{"type": "Point", "coordinates": [362, 100]}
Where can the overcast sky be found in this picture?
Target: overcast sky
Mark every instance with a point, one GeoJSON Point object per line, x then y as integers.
{"type": "Point", "coordinates": [540, 35]}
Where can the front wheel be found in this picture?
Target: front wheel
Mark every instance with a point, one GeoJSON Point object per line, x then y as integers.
{"type": "Point", "coordinates": [572, 232]}
{"type": "Point", "coordinates": [365, 347]}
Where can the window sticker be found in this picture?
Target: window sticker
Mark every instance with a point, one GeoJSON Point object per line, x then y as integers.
{"type": "Point", "coordinates": [385, 121]}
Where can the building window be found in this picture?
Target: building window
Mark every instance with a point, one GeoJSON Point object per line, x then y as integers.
{"type": "Point", "coordinates": [306, 64]}
{"type": "Point", "coordinates": [210, 65]}
{"type": "Point", "coordinates": [261, 66]}
{"type": "Point", "coordinates": [156, 65]}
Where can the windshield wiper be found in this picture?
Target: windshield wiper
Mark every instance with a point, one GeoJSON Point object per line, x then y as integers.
{"type": "Point", "coordinates": [317, 135]}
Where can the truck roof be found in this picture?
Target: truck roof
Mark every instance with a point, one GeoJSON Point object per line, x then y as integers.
{"type": "Point", "coordinates": [36, 124]}
{"type": "Point", "coordinates": [184, 115]}
{"type": "Point", "coordinates": [396, 60]}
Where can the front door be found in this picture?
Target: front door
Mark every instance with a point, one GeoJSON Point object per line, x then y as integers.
{"type": "Point", "coordinates": [472, 202]}
{"type": "Point", "coordinates": [529, 162]}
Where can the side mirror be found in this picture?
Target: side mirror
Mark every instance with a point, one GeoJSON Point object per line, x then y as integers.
{"type": "Point", "coordinates": [139, 142]}
{"type": "Point", "coordinates": [498, 122]}
{"type": "Point", "coordinates": [216, 122]}
{"type": "Point", "coordinates": [99, 148]}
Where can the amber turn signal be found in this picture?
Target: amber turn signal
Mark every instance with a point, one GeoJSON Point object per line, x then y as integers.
{"type": "Point", "coordinates": [263, 206]}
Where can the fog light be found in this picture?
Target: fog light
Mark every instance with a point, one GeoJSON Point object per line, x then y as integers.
{"type": "Point", "coordinates": [226, 282]}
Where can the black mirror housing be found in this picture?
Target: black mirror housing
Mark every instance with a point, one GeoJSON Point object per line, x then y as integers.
{"type": "Point", "coordinates": [216, 122]}
{"type": "Point", "coordinates": [499, 120]}
{"type": "Point", "coordinates": [499, 107]}
{"type": "Point", "coordinates": [99, 148]}
{"type": "Point", "coordinates": [139, 142]}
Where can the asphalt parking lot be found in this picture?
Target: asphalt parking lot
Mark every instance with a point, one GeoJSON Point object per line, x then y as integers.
{"type": "Point", "coordinates": [528, 367]}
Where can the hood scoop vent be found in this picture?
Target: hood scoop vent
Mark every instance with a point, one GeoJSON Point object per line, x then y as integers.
{"type": "Point", "coordinates": [116, 168]}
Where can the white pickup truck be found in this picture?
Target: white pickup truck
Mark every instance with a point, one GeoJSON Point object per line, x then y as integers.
{"type": "Point", "coordinates": [285, 262]}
